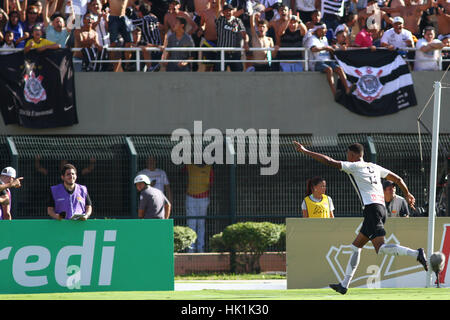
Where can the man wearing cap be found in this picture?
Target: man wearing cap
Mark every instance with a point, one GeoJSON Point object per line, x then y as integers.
{"type": "Point", "coordinates": [231, 33]}
{"type": "Point", "coordinates": [152, 202]}
{"type": "Point", "coordinates": [397, 37]}
{"type": "Point", "coordinates": [39, 43]}
{"type": "Point", "coordinates": [396, 205]}
{"type": "Point", "coordinates": [69, 200]}
{"type": "Point", "coordinates": [412, 14]}
{"type": "Point", "coordinates": [7, 180]}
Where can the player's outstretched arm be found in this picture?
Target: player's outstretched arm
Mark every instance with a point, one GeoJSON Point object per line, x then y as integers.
{"type": "Point", "coordinates": [399, 181]}
{"type": "Point", "coordinates": [318, 156]}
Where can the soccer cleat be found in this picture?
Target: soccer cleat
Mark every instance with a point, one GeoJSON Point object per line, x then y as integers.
{"type": "Point", "coordinates": [422, 258]}
{"type": "Point", "coordinates": [338, 288]}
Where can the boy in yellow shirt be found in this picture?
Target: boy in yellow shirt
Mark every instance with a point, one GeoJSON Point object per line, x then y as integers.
{"type": "Point", "coordinates": [38, 43]}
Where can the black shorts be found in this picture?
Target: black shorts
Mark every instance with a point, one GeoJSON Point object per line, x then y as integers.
{"type": "Point", "coordinates": [374, 220]}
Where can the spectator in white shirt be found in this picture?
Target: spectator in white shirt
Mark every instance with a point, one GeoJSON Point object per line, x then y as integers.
{"type": "Point", "coordinates": [428, 51]}
{"type": "Point", "coordinates": [158, 177]}
{"type": "Point", "coordinates": [397, 37]}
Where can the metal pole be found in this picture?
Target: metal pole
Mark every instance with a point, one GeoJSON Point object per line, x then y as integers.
{"type": "Point", "coordinates": [231, 160]}
{"type": "Point", "coordinates": [15, 164]}
{"type": "Point", "coordinates": [133, 170]}
{"type": "Point", "coordinates": [433, 175]}
{"type": "Point", "coordinates": [222, 60]}
{"type": "Point", "coordinates": [138, 60]}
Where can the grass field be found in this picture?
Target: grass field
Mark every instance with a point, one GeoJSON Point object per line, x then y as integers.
{"type": "Point", "coordinates": [303, 294]}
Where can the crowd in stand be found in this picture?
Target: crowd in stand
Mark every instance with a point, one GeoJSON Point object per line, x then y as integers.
{"type": "Point", "coordinates": [319, 26]}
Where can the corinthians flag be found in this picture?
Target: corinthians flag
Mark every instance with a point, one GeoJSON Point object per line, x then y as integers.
{"type": "Point", "coordinates": [382, 81]}
{"type": "Point", "coordinates": [37, 89]}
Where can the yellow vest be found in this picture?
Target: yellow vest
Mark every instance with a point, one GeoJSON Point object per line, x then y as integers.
{"type": "Point", "coordinates": [318, 209]}
{"type": "Point", "coordinates": [198, 181]}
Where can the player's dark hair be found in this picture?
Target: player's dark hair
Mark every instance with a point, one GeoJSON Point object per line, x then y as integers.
{"type": "Point", "coordinates": [311, 183]}
{"type": "Point", "coordinates": [66, 167]}
{"type": "Point", "coordinates": [357, 148]}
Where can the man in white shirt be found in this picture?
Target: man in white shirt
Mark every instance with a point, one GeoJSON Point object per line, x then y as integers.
{"type": "Point", "coordinates": [366, 178]}
{"type": "Point", "coordinates": [397, 37]}
{"type": "Point", "coordinates": [428, 51]}
{"type": "Point", "coordinates": [158, 177]}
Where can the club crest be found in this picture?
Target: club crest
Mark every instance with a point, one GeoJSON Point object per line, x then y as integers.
{"type": "Point", "coordinates": [33, 90]}
{"type": "Point", "coordinates": [368, 87]}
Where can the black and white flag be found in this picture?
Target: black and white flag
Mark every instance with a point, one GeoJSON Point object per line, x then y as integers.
{"type": "Point", "coordinates": [382, 81]}
{"type": "Point", "coordinates": [37, 90]}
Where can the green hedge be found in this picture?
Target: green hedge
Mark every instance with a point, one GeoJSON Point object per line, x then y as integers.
{"type": "Point", "coordinates": [247, 241]}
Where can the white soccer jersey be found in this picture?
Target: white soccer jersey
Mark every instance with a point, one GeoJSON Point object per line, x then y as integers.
{"type": "Point", "coordinates": [366, 178]}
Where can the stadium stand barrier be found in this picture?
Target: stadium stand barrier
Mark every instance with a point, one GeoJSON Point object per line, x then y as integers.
{"type": "Point", "coordinates": [140, 61]}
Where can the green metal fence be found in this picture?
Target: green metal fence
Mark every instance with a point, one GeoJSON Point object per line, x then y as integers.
{"type": "Point", "coordinates": [108, 164]}
{"type": "Point", "coordinates": [102, 163]}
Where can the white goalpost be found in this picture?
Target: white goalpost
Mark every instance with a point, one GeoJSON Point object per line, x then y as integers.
{"type": "Point", "coordinates": [433, 176]}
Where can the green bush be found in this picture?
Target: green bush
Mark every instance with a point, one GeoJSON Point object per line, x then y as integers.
{"type": "Point", "coordinates": [247, 241]}
{"type": "Point", "coordinates": [216, 243]}
{"type": "Point", "coordinates": [281, 243]}
{"type": "Point", "coordinates": [183, 238]}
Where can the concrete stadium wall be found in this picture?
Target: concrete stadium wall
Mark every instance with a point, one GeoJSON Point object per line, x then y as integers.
{"type": "Point", "coordinates": [158, 103]}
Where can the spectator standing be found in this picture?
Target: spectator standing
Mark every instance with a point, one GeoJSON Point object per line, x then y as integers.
{"type": "Point", "coordinates": [7, 180]}
{"type": "Point", "coordinates": [55, 30]}
{"type": "Point", "coordinates": [158, 177]}
{"type": "Point", "coordinates": [305, 8]}
{"type": "Point", "coordinates": [39, 43]}
{"type": "Point", "coordinates": [260, 40]}
{"type": "Point", "coordinates": [200, 179]}
{"type": "Point", "coordinates": [291, 37]}
{"type": "Point", "coordinates": [333, 11]}
{"type": "Point", "coordinates": [119, 25]}
{"type": "Point", "coordinates": [412, 13]}
{"type": "Point", "coordinates": [151, 34]}
{"type": "Point", "coordinates": [77, 7]}
{"type": "Point", "coordinates": [18, 29]}
{"type": "Point", "coordinates": [87, 39]}
{"type": "Point", "coordinates": [33, 19]}
{"type": "Point", "coordinates": [443, 16]}
{"type": "Point", "coordinates": [208, 31]}
{"type": "Point", "coordinates": [69, 199]}
{"type": "Point", "coordinates": [152, 202]}
{"type": "Point", "coordinates": [428, 51]}
{"type": "Point", "coordinates": [100, 22]}
{"type": "Point", "coordinates": [396, 205]}
{"type": "Point", "coordinates": [179, 39]}
{"type": "Point", "coordinates": [231, 34]}
{"type": "Point", "coordinates": [316, 203]}
{"type": "Point", "coordinates": [170, 19]}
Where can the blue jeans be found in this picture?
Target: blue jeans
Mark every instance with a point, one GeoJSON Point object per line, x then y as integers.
{"type": "Point", "coordinates": [322, 65]}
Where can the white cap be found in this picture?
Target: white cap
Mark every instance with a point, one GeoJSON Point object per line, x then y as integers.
{"type": "Point", "coordinates": [9, 171]}
{"type": "Point", "coordinates": [398, 20]}
{"type": "Point", "coordinates": [142, 178]}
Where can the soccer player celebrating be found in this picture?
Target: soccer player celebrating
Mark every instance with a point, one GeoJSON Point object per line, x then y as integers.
{"type": "Point", "coordinates": [366, 178]}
